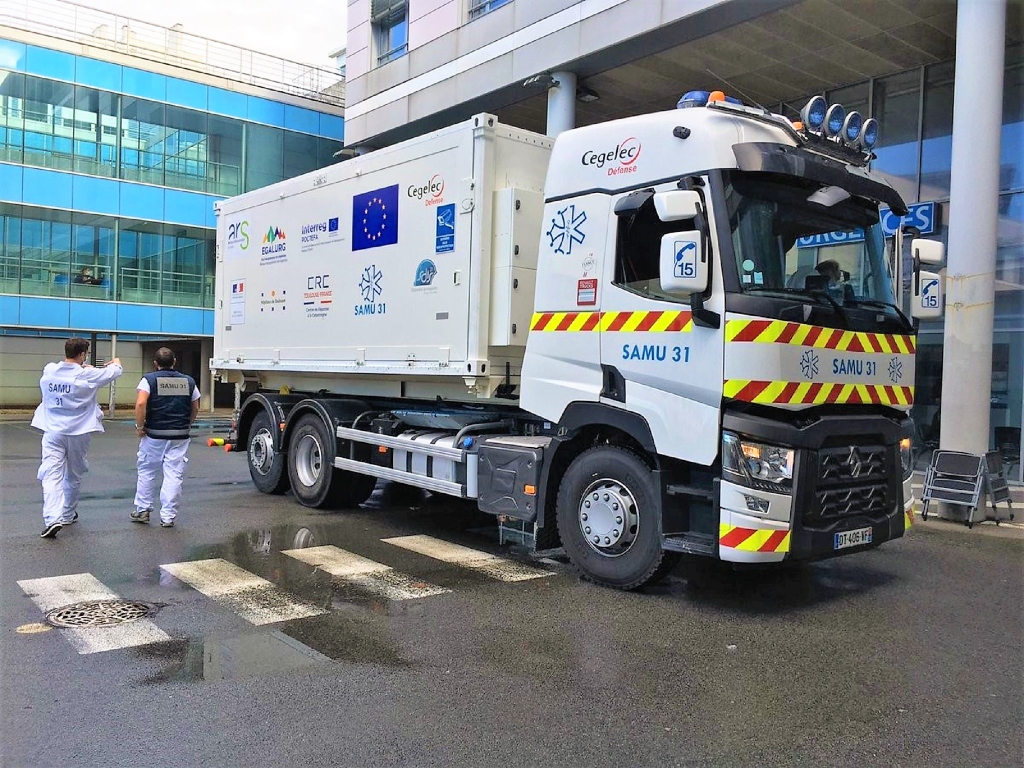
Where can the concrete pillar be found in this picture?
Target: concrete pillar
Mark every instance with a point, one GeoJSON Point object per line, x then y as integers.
{"type": "Point", "coordinates": [971, 253]}
{"type": "Point", "coordinates": [562, 103]}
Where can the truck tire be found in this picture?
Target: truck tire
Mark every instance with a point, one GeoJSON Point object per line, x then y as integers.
{"type": "Point", "coordinates": [608, 519]}
{"type": "Point", "coordinates": [314, 479]}
{"type": "Point", "coordinates": [267, 465]}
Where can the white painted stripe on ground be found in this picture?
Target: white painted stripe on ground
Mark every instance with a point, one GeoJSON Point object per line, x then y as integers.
{"type": "Point", "coordinates": [367, 575]}
{"type": "Point", "coordinates": [496, 567]}
{"type": "Point", "coordinates": [254, 599]}
{"type": "Point", "coordinates": [59, 591]}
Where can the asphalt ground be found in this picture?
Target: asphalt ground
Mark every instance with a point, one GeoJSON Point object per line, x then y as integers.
{"type": "Point", "coordinates": [906, 655]}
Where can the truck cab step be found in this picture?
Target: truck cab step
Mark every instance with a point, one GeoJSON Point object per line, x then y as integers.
{"type": "Point", "coordinates": [690, 543]}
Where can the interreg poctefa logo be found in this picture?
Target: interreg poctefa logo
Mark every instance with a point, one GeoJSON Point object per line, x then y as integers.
{"type": "Point", "coordinates": [238, 236]}
{"type": "Point", "coordinates": [566, 229]}
{"type": "Point", "coordinates": [425, 273]}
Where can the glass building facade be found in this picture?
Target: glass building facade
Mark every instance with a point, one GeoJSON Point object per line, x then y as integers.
{"type": "Point", "coordinates": [108, 177]}
{"type": "Point", "coordinates": [915, 111]}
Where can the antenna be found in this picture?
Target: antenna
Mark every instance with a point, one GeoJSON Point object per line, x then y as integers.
{"type": "Point", "coordinates": [734, 88]}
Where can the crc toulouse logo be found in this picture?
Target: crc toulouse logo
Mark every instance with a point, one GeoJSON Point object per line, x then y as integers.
{"type": "Point", "coordinates": [431, 193]}
{"type": "Point", "coordinates": [620, 160]}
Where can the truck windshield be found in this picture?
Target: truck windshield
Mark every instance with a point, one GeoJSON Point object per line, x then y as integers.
{"type": "Point", "coordinates": [794, 236]}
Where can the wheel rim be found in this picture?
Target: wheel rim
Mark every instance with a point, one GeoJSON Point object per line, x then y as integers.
{"type": "Point", "coordinates": [308, 460]}
{"type": "Point", "coordinates": [261, 452]}
{"type": "Point", "coordinates": [608, 517]}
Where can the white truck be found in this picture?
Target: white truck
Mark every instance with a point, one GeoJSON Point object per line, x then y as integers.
{"type": "Point", "coordinates": [672, 333]}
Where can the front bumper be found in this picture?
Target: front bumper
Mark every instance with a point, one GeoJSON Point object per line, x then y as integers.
{"type": "Point", "coordinates": [848, 477]}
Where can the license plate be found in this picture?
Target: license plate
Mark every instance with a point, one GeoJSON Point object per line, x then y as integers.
{"type": "Point", "coordinates": [853, 538]}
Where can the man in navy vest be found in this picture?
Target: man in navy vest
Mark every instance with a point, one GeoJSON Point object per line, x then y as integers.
{"type": "Point", "coordinates": [165, 408]}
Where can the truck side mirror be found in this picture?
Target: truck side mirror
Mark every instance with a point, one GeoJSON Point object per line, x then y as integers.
{"type": "Point", "coordinates": [926, 298]}
{"type": "Point", "coordinates": [677, 204]}
{"type": "Point", "coordinates": [930, 252]}
{"type": "Point", "coordinates": [683, 265]}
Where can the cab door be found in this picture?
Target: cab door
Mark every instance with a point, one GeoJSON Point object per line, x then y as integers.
{"type": "Point", "coordinates": [657, 360]}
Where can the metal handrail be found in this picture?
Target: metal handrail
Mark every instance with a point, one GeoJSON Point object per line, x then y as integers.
{"type": "Point", "coordinates": [172, 45]}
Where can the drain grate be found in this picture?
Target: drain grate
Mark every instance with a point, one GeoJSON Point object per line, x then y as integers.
{"type": "Point", "coordinates": [100, 613]}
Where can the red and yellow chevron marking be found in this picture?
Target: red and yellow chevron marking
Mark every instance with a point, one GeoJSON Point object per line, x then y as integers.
{"type": "Point", "coordinates": [752, 539]}
{"type": "Point", "coordinates": [784, 332]}
{"type": "Point", "coordinates": [817, 393]}
{"type": "Point", "coordinates": [627, 322]}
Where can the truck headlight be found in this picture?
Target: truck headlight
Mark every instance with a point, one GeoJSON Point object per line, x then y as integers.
{"type": "Point", "coordinates": [907, 457]}
{"type": "Point", "coordinates": [757, 465]}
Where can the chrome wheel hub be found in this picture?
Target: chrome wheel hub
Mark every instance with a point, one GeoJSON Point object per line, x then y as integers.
{"type": "Point", "coordinates": [308, 460]}
{"type": "Point", "coordinates": [608, 517]}
{"type": "Point", "coordinates": [261, 451]}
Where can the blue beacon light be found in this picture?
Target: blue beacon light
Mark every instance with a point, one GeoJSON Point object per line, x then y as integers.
{"type": "Point", "coordinates": [813, 113]}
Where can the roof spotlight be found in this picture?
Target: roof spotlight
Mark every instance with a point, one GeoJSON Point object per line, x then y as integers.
{"type": "Point", "coordinates": [869, 133]}
{"type": "Point", "coordinates": [851, 127]}
{"type": "Point", "coordinates": [813, 113]}
{"type": "Point", "coordinates": [834, 119]}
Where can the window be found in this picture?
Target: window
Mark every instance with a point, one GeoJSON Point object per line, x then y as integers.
{"type": "Point", "coordinates": [638, 246]}
{"type": "Point", "coordinates": [390, 20]}
{"type": "Point", "coordinates": [896, 107]}
{"type": "Point", "coordinates": [478, 8]}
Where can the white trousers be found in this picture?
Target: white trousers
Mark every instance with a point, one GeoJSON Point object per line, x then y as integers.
{"type": "Point", "coordinates": [154, 456]}
{"type": "Point", "coordinates": [60, 472]}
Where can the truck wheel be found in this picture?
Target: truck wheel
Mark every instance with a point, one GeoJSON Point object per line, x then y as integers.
{"type": "Point", "coordinates": [608, 521]}
{"type": "Point", "coordinates": [315, 481]}
{"type": "Point", "coordinates": [266, 463]}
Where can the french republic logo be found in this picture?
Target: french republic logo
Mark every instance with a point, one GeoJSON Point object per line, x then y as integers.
{"type": "Point", "coordinates": [621, 159]}
{"type": "Point", "coordinates": [375, 218]}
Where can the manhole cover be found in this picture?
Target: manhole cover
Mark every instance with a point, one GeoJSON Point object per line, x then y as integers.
{"type": "Point", "coordinates": [100, 613]}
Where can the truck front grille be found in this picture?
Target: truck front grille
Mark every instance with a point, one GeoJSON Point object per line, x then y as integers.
{"type": "Point", "coordinates": [852, 480]}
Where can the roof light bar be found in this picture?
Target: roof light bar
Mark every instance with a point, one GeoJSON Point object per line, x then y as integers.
{"type": "Point", "coordinates": [834, 119]}
{"type": "Point", "coordinates": [813, 113]}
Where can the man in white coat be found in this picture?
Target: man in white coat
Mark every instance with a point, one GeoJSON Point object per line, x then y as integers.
{"type": "Point", "coordinates": [68, 416]}
{"type": "Point", "coordinates": [165, 407]}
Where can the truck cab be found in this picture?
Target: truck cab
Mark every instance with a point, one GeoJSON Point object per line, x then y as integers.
{"type": "Point", "coordinates": [715, 303]}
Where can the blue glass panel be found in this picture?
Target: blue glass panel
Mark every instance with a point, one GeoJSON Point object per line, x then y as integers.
{"type": "Point", "coordinates": [141, 201]}
{"type": "Point", "coordinates": [178, 320]}
{"type": "Point", "coordinates": [89, 193]}
{"type": "Point", "coordinates": [45, 313]}
{"type": "Point", "coordinates": [265, 111]}
{"type": "Point", "coordinates": [207, 321]}
{"type": "Point", "coordinates": [10, 311]}
{"type": "Point", "coordinates": [185, 207]}
{"type": "Point", "coordinates": [139, 318]}
{"type": "Point", "coordinates": [10, 182]}
{"type": "Point", "coordinates": [227, 102]}
{"type": "Point", "coordinates": [186, 93]}
{"type": "Point", "coordinates": [12, 55]}
{"type": "Point", "coordinates": [98, 74]}
{"type": "Point", "coordinates": [299, 119]}
{"type": "Point", "coordinates": [332, 126]}
{"type": "Point", "coordinates": [55, 64]}
{"type": "Point", "coordinates": [47, 188]}
{"type": "Point", "coordinates": [148, 85]}
{"type": "Point", "coordinates": [93, 315]}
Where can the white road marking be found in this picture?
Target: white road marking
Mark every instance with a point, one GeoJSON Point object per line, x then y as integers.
{"type": "Point", "coordinates": [59, 591]}
{"type": "Point", "coordinates": [368, 575]}
{"type": "Point", "coordinates": [254, 599]}
{"type": "Point", "coordinates": [491, 565]}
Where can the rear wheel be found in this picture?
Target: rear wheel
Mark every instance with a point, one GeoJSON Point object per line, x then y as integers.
{"type": "Point", "coordinates": [608, 519]}
{"type": "Point", "coordinates": [314, 479]}
{"type": "Point", "coordinates": [266, 463]}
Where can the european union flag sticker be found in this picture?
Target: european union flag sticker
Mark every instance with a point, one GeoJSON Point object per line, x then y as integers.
{"type": "Point", "coordinates": [375, 218]}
